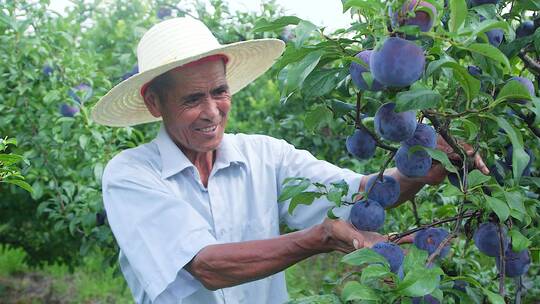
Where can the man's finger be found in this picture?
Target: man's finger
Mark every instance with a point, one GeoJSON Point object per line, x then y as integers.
{"type": "Point", "coordinates": [406, 239]}
{"type": "Point", "coordinates": [480, 165]}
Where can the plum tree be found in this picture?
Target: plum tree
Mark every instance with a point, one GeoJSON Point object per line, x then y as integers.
{"type": "Point", "coordinates": [480, 2]}
{"type": "Point", "coordinates": [495, 37]}
{"type": "Point", "coordinates": [83, 88]}
{"type": "Point", "coordinates": [429, 239]}
{"type": "Point", "coordinates": [394, 126]}
{"type": "Point", "coordinates": [527, 84]}
{"type": "Point", "coordinates": [68, 111]}
{"type": "Point", "coordinates": [526, 28]}
{"type": "Point", "coordinates": [47, 70]}
{"type": "Point", "coordinates": [357, 73]}
{"type": "Point", "coordinates": [515, 263]}
{"type": "Point", "coordinates": [427, 299]}
{"type": "Point", "coordinates": [486, 238]}
{"type": "Point", "coordinates": [361, 144]}
{"type": "Point", "coordinates": [367, 215]}
{"type": "Point", "coordinates": [392, 253]}
{"type": "Point", "coordinates": [414, 12]}
{"type": "Point", "coordinates": [398, 63]}
{"type": "Point", "coordinates": [385, 192]}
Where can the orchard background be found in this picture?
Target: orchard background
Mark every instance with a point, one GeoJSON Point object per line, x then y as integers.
{"type": "Point", "coordinates": [56, 246]}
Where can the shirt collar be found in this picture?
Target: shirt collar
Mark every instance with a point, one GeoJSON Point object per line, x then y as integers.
{"type": "Point", "coordinates": [173, 160]}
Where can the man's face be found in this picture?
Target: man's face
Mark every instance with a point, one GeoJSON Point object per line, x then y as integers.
{"type": "Point", "coordinates": [195, 110]}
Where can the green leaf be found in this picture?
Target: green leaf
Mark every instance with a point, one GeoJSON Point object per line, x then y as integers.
{"type": "Point", "coordinates": [304, 198]}
{"type": "Point", "coordinates": [20, 183]}
{"type": "Point", "coordinates": [535, 108]}
{"type": "Point", "coordinates": [364, 256]}
{"type": "Point", "coordinates": [470, 85]}
{"type": "Point", "coordinates": [299, 71]}
{"type": "Point", "coordinates": [263, 25]}
{"type": "Point", "coordinates": [499, 207]}
{"type": "Point", "coordinates": [318, 299]}
{"type": "Point", "coordinates": [317, 117]}
{"type": "Point", "coordinates": [515, 201]}
{"type": "Point", "coordinates": [292, 190]}
{"type": "Point", "coordinates": [491, 52]}
{"type": "Point", "coordinates": [368, 5]}
{"type": "Point", "coordinates": [414, 259]}
{"type": "Point", "coordinates": [322, 81]}
{"type": "Point", "coordinates": [417, 100]}
{"type": "Point", "coordinates": [519, 241]}
{"type": "Point", "coordinates": [420, 281]}
{"type": "Point", "coordinates": [342, 108]}
{"type": "Point", "coordinates": [303, 30]}
{"type": "Point", "coordinates": [374, 271]}
{"type": "Point", "coordinates": [458, 12]}
{"type": "Point", "coordinates": [437, 155]}
{"type": "Point", "coordinates": [475, 178]}
{"type": "Point", "coordinates": [513, 90]}
{"type": "Point", "coordinates": [493, 297]}
{"type": "Point", "coordinates": [330, 214]}
{"type": "Point", "coordinates": [520, 158]}
{"type": "Point", "coordinates": [356, 291]}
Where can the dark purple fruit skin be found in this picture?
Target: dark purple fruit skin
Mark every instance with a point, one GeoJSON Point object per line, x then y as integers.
{"type": "Point", "coordinates": [356, 71]}
{"type": "Point", "coordinates": [399, 63]}
{"type": "Point", "coordinates": [528, 85]}
{"type": "Point", "coordinates": [367, 215]}
{"type": "Point", "coordinates": [415, 165]}
{"type": "Point", "coordinates": [394, 126]}
{"type": "Point", "coordinates": [495, 37]}
{"type": "Point", "coordinates": [68, 111]}
{"type": "Point", "coordinates": [460, 285]}
{"type": "Point", "coordinates": [392, 253]}
{"type": "Point", "coordinates": [430, 238]}
{"type": "Point", "coordinates": [361, 144]}
{"type": "Point", "coordinates": [385, 192]}
{"type": "Point", "coordinates": [47, 70]}
{"type": "Point", "coordinates": [480, 2]}
{"type": "Point", "coordinates": [163, 12]}
{"type": "Point", "coordinates": [515, 263]}
{"type": "Point", "coordinates": [454, 180]}
{"type": "Point", "coordinates": [526, 28]}
{"type": "Point", "coordinates": [497, 173]}
{"type": "Point", "coordinates": [424, 135]}
{"type": "Point", "coordinates": [428, 299]}
{"type": "Point", "coordinates": [474, 70]}
{"type": "Point", "coordinates": [486, 239]}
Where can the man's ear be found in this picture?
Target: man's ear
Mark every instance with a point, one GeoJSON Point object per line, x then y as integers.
{"type": "Point", "coordinates": [152, 102]}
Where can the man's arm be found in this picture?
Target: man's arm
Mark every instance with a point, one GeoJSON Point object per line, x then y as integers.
{"type": "Point", "coordinates": [225, 265]}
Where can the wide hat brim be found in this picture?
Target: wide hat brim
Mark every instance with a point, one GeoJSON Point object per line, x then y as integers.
{"type": "Point", "coordinates": [124, 106]}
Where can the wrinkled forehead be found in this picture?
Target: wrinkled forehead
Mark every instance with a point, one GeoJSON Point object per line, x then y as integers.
{"type": "Point", "coordinates": [190, 65]}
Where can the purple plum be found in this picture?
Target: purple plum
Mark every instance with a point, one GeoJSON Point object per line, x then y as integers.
{"type": "Point", "coordinates": [361, 144]}
{"type": "Point", "coordinates": [385, 192]}
{"type": "Point", "coordinates": [424, 135]}
{"type": "Point", "coordinates": [515, 263]}
{"type": "Point", "coordinates": [82, 88]}
{"type": "Point", "coordinates": [486, 238]}
{"type": "Point", "coordinates": [424, 14]}
{"type": "Point", "coordinates": [527, 84]}
{"type": "Point", "coordinates": [47, 70]}
{"type": "Point", "coordinates": [398, 63]}
{"type": "Point", "coordinates": [415, 165]}
{"type": "Point", "coordinates": [526, 28]}
{"type": "Point", "coordinates": [392, 253]}
{"type": "Point", "coordinates": [68, 111]}
{"type": "Point", "coordinates": [480, 2]}
{"type": "Point", "coordinates": [394, 126]}
{"type": "Point", "coordinates": [163, 12]}
{"type": "Point", "coordinates": [429, 239]}
{"type": "Point", "coordinates": [367, 215]}
{"type": "Point", "coordinates": [357, 70]}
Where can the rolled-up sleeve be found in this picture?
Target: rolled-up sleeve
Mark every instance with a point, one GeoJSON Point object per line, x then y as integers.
{"type": "Point", "coordinates": [156, 231]}
{"type": "Point", "coordinates": [300, 163]}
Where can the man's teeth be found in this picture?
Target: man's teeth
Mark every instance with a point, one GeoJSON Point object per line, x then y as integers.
{"type": "Point", "coordinates": [209, 129]}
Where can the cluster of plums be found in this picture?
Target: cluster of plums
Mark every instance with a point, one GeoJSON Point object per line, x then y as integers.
{"type": "Point", "coordinates": [487, 240]}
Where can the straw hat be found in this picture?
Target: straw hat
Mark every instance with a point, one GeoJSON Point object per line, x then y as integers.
{"type": "Point", "coordinates": [173, 43]}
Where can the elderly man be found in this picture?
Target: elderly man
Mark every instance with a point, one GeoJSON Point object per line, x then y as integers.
{"type": "Point", "coordinates": [195, 211]}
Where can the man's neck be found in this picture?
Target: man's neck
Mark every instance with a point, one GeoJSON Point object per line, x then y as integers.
{"type": "Point", "coordinates": [203, 161]}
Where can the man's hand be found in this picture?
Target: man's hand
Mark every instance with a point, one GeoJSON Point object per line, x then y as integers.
{"type": "Point", "coordinates": [342, 236]}
{"type": "Point", "coordinates": [437, 173]}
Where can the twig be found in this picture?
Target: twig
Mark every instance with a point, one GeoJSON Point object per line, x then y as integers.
{"type": "Point", "coordinates": [452, 235]}
{"type": "Point", "coordinates": [447, 220]}
{"type": "Point", "coordinates": [529, 120]}
{"type": "Point", "coordinates": [529, 62]}
{"type": "Point", "coordinates": [501, 260]}
{"type": "Point", "coordinates": [360, 125]}
{"type": "Point", "coordinates": [518, 291]}
{"type": "Point", "coordinates": [415, 212]}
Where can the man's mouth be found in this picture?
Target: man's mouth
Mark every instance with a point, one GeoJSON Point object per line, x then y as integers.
{"type": "Point", "coordinates": [209, 129]}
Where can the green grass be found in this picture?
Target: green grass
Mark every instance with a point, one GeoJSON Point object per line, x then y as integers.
{"type": "Point", "coordinates": [93, 282]}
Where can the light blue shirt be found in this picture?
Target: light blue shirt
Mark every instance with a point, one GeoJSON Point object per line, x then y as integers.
{"type": "Point", "coordinates": [162, 215]}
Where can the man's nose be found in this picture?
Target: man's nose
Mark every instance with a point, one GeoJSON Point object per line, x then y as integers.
{"type": "Point", "coordinates": [210, 108]}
